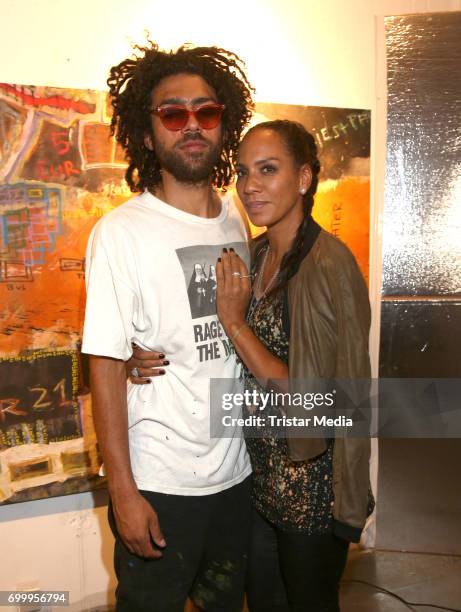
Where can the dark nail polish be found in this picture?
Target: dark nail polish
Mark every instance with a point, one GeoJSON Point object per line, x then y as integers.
{"type": "Point", "coordinates": [161, 372]}
{"type": "Point", "coordinates": [166, 362]}
{"type": "Point", "coordinates": [161, 356]}
{"type": "Point", "coordinates": [231, 250]}
{"type": "Point", "coordinates": [224, 250]}
{"type": "Point", "coordinates": [148, 381]}
{"type": "Point", "coordinates": [219, 259]}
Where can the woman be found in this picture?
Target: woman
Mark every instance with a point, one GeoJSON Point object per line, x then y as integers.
{"type": "Point", "coordinates": [306, 317]}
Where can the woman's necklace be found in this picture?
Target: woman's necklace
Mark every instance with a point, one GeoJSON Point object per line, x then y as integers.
{"type": "Point", "coordinates": [257, 288]}
{"type": "Point", "coordinates": [259, 281]}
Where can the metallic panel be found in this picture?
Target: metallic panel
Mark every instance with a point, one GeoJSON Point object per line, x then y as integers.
{"type": "Point", "coordinates": [422, 215]}
{"type": "Point", "coordinates": [419, 491]}
{"type": "Point", "coordinates": [420, 339]}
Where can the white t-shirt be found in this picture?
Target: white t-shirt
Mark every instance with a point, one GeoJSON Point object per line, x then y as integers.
{"type": "Point", "coordinates": [151, 280]}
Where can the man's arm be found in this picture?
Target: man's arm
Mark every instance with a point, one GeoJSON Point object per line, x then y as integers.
{"type": "Point", "coordinates": [136, 520]}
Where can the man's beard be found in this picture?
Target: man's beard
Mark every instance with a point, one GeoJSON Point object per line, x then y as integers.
{"type": "Point", "coordinates": [192, 168]}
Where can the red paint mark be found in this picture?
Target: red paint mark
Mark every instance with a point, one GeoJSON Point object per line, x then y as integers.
{"type": "Point", "coordinates": [47, 172]}
{"type": "Point", "coordinates": [79, 106]}
{"type": "Point", "coordinates": [68, 168]}
{"type": "Point", "coordinates": [9, 404]}
{"type": "Point", "coordinates": [60, 141]}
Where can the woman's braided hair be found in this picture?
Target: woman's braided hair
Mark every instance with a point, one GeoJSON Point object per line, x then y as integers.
{"type": "Point", "coordinates": [130, 87]}
{"type": "Point", "coordinates": [300, 144]}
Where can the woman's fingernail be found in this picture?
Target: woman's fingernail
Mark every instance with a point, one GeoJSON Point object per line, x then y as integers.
{"type": "Point", "coordinates": [219, 259]}
{"type": "Point", "coordinates": [161, 356]}
{"type": "Point", "coordinates": [161, 372]}
{"type": "Point", "coordinates": [231, 250]}
{"type": "Point", "coordinates": [148, 381]}
{"type": "Point", "coordinates": [166, 362]}
{"type": "Point", "coordinates": [224, 250]}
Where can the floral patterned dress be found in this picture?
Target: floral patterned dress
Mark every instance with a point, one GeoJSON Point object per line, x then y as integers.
{"type": "Point", "coordinates": [294, 496]}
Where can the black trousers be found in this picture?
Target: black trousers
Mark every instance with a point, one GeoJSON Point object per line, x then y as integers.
{"type": "Point", "coordinates": [293, 572]}
{"type": "Point", "coordinates": [205, 558]}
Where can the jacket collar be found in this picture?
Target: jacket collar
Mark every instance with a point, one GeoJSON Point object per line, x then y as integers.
{"type": "Point", "coordinates": [312, 232]}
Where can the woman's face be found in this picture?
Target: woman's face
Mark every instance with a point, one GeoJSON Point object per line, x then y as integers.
{"type": "Point", "coordinates": [199, 274]}
{"type": "Point", "coordinates": [268, 180]}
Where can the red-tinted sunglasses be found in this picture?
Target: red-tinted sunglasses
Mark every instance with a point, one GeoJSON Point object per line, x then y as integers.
{"type": "Point", "coordinates": [176, 116]}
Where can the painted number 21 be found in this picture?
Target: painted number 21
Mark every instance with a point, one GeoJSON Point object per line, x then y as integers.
{"type": "Point", "coordinates": [40, 403]}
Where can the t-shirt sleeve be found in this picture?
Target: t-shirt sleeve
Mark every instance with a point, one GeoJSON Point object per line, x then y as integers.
{"type": "Point", "coordinates": [111, 302]}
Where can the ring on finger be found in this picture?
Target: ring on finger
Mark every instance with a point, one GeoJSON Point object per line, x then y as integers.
{"type": "Point", "coordinates": [245, 275]}
{"type": "Point", "coordinates": [236, 274]}
{"type": "Point", "coordinates": [135, 372]}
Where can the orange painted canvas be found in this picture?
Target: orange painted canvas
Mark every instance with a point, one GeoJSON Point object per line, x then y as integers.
{"type": "Point", "coordinates": [60, 170]}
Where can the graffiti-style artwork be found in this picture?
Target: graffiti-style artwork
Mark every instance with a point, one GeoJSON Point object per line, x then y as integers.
{"type": "Point", "coordinates": [60, 170]}
{"type": "Point", "coordinates": [342, 203]}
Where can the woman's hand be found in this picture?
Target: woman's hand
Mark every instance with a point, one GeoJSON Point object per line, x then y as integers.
{"type": "Point", "coordinates": [232, 298]}
{"type": "Point", "coordinates": [145, 364]}
{"type": "Point", "coordinates": [233, 291]}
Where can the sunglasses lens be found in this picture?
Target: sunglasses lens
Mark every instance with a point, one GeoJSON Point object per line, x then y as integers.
{"type": "Point", "coordinates": [209, 116]}
{"type": "Point", "coordinates": [174, 118]}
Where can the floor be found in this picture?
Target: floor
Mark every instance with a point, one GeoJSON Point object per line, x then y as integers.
{"type": "Point", "coordinates": [415, 577]}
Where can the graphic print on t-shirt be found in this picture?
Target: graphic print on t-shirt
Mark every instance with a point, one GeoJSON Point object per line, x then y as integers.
{"type": "Point", "coordinates": [199, 267]}
{"type": "Point", "coordinates": [202, 290]}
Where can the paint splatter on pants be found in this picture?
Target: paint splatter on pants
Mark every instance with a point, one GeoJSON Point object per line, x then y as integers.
{"type": "Point", "coordinates": [205, 558]}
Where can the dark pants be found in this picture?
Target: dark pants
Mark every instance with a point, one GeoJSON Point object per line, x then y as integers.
{"type": "Point", "coordinates": [293, 572]}
{"type": "Point", "coordinates": [205, 558]}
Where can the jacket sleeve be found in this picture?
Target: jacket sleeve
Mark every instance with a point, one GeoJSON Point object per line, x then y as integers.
{"type": "Point", "coordinates": [313, 342]}
{"type": "Point", "coordinates": [352, 308]}
{"type": "Point", "coordinates": [330, 322]}
{"type": "Point", "coordinates": [351, 454]}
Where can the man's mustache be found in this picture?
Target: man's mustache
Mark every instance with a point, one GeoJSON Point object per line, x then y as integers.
{"type": "Point", "coordinates": [190, 136]}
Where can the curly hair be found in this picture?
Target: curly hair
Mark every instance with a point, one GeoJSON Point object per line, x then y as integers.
{"type": "Point", "coordinates": [300, 144]}
{"type": "Point", "coordinates": [130, 87]}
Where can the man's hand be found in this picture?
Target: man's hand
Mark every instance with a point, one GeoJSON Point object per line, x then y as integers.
{"type": "Point", "coordinates": [146, 364]}
{"type": "Point", "coordinates": [136, 520]}
{"type": "Point", "coordinates": [138, 525]}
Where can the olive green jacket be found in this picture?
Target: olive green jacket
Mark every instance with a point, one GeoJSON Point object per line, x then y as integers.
{"type": "Point", "coordinates": [329, 314]}
{"type": "Point", "coordinates": [328, 320]}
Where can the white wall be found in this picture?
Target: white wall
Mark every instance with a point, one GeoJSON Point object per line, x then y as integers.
{"type": "Point", "coordinates": [59, 544]}
{"type": "Point", "coordinates": [301, 52]}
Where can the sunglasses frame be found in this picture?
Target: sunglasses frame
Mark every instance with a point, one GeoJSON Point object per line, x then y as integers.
{"type": "Point", "coordinates": [188, 112]}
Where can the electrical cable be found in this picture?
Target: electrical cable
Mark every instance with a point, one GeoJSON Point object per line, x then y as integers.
{"type": "Point", "coordinates": [408, 604]}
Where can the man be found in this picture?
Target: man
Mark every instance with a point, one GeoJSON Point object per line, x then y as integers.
{"type": "Point", "coordinates": [179, 500]}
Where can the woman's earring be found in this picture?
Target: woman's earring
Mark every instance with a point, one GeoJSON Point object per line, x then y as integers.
{"type": "Point", "coordinates": [302, 191]}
